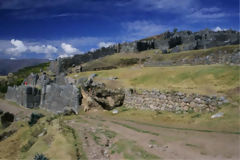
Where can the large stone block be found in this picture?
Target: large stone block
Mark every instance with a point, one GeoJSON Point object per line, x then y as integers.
{"type": "Point", "coordinates": [26, 96]}
{"type": "Point", "coordinates": [59, 97]}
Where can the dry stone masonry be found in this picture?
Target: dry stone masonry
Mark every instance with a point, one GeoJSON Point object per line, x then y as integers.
{"type": "Point", "coordinates": [168, 42]}
{"type": "Point", "coordinates": [171, 101]}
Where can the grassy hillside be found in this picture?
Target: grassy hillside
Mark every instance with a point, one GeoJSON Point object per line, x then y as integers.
{"type": "Point", "coordinates": [202, 79]}
{"type": "Point", "coordinates": [122, 59]}
{"type": "Point", "coordinates": [18, 77]}
{"type": "Point", "coordinates": [23, 73]}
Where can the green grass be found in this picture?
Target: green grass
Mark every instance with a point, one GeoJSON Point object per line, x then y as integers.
{"type": "Point", "coordinates": [136, 129]}
{"type": "Point", "coordinates": [202, 79]}
{"type": "Point", "coordinates": [131, 150]}
{"type": "Point", "coordinates": [96, 138]}
{"type": "Point", "coordinates": [191, 145]}
{"type": "Point", "coordinates": [108, 133]}
{"type": "Point", "coordinates": [20, 75]}
{"type": "Point", "coordinates": [228, 124]}
{"type": "Point", "coordinates": [120, 60]}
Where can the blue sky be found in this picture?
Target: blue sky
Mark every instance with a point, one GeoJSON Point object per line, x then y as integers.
{"type": "Point", "coordinates": [53, 28]}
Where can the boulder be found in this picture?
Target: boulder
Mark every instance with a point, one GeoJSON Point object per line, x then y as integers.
{"type": "Point", "coordinates": [6, 119]}
{"type": "Point", "coordinates": [67, 111]}
{"type": "Point", "coordinates": [96, 94]}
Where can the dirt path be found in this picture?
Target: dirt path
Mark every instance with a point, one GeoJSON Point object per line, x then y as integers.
{"type": "Point", "coordinates": [161, 142]}
{"type": "Point", "coordinates": [18, 111]}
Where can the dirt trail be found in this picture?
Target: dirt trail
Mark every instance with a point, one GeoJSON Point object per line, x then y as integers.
{"type": "Point", "coordinates": [162, 142]}
{"type": "Point", "coordinates": [18, 111]}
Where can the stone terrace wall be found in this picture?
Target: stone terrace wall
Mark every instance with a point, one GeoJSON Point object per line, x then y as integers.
{"type": "Point", "coordinates": [26, 96]}
{"type": "Point", "coordinates": [171, 101]}
{"type": "Point", "coordinates": [222, 57]}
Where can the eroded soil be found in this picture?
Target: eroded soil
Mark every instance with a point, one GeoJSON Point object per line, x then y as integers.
{"type": "Point", "coordinates": [152, 142]}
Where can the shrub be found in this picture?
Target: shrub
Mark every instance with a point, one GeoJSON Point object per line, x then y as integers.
{"type": "Point", "coordinates": [40, 157]}
{"type": "Point", "coordinates": [34, 118]}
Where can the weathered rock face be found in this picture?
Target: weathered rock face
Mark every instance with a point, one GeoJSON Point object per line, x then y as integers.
{"type": "Point", "coordinates": [58, 98]}
{"type": "Point", "coordinates": [26, 96]}
{"type": "Point", "coordinates": [97, 95]}
{"type": "Point", "coordinates": [171, 101]}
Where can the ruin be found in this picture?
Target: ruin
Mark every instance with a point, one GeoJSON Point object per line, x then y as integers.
{"type": "Point", "coordinates": [168, 42]}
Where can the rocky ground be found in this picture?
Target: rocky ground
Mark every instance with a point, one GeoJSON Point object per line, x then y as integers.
{"type": "Point", "coordinates": [112, 138]}
{"type": "Point", "coordinates": [97, 136]}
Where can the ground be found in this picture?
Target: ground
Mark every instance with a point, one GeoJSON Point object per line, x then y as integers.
{"type": "Point", "coordinates": [130, 134]}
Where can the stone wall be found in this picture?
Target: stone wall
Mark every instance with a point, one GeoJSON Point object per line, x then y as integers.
{"type": "Point", "coordinates": [27, 96]}
{"type": "Point", "coordinates": [171, 101]}
{"type": "Point", "coordinates": [62, 64]}
{"type": "Point", "coordinates": [168, 42]}
{"type": "Point", "coordinates": [58, 98]}
{"type": "Point", "coordinates": [222, 57]}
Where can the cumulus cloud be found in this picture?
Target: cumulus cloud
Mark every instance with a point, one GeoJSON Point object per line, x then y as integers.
{"type": "Point", "coordinates": [47, 49]}
{"type": "Point", "coordinates": [65, 56]}
{"type": "Point", "coordinates": [105, 44]}
{"type": "Point", "coordinates": [18, 48]}
{"type": "Point", "coordinates": [219, 29]}
{"type": "Point", "coordinates": [92, 49]}
{"type": "Point", "coordinates": [68, 49]}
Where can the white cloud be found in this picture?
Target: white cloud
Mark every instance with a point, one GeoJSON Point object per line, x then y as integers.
{"type": "Point", "coordinates": [12, 58]}
{"type": "Point", "coordinates": [105, 44]}
{"type": "Point", "coordinates": [68, 49]}
{"type": "Point", "coordinates": [142, 29]}
{"type": "Point", "coordinates": [18, 49]}
{"type": "Point", "coordinates": [213, 13]}
{"type": "Point", "coordinates": [219, 29]}
{"type": "Point", "coordinates": [47, 49]}
{"type": "Point", "coordinates": [163, 5]}
{"type": "Point", "coordinates": [92, 49]}
{"type": "Point", "coordinates": [65, 55]}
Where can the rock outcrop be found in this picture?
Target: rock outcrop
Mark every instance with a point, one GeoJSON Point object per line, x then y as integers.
{"type": "Point", "coordinates": [97, 95]}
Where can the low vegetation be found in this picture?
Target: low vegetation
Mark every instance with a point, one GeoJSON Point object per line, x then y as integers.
{"type": "Point", "coordinates": [130, 150]}
{"type": "Point", "coordinates": [202, 79]}
{"type": "Point", "coordinates": [18, 77]}
{"type": "Point", "coordinates": [119, 60]}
